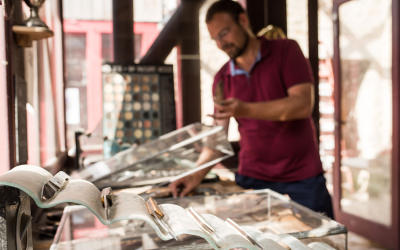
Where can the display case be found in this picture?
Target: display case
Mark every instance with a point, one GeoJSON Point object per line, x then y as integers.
{"type": "Point", "coordinates": [162, 160]}
{"type": "Point", "coordinates": [264, 210]}
{"type": "Point", "coordinates": [138, 104]}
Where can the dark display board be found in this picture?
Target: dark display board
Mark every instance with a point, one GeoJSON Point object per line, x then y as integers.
{"type": "Point", "coordinates": [138, 104]}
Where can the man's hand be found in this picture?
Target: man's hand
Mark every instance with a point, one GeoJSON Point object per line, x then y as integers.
{"type": "Point", "coordinates": [186, 184]}
{"type": "Point", "coordinates": [229, 107]}
{"type": "Point", "coordinates": [298, 104]}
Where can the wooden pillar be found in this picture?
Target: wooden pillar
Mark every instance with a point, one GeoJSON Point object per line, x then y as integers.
{"type": "Point", "coordinates": [123, 31]}
{"type": "Point", "coordinates": [189, 61]}
{"type": "Point", "coordinates": [396, 119]}
{"type": "Point", "coordinates": [313, 55]}
{"type": "Point", "coordinates": [264, 12]}
{"type": "Point", "coordinates": [257, 12]}
{"type": "Point", "coordinates": [61, 14]}
{"type": "Point", "coordinates": [7, 153]}
{"type": "Point", "coordinates": [17, 91]}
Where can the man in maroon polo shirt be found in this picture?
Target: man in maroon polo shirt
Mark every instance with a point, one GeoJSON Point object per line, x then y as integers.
{"type": "Point", "coordinates": [269, 90]}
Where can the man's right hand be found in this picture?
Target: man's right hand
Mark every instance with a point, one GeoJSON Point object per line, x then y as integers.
{"type": "Point", "coordinates": [183, 186]}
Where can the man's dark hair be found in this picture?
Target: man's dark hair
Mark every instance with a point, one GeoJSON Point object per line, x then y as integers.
{"type": "Point", "coordinates": [234, 9]}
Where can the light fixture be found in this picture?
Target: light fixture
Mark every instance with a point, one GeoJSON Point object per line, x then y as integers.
{"type": "Point", "coordinates": [34, 19]}
{"type": "Point", "coordinates": [33, 28]}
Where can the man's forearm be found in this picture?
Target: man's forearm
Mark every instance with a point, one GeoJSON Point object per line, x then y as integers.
{"type": "Point", "coordinates": [285, 109]}
{"type": "Point", "coordinates": [206, 155]}
{"type": "Point", "coordinates": [298, 104]}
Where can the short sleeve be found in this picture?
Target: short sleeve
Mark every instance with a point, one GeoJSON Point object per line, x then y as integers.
{"type": "Point", "coordinates": [218, 79]}
{"type": "Point", "coordinates": [295, 67]}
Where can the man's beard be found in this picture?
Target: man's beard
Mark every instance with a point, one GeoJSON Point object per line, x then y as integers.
{"type": "Point", "coordinates": [237, 51]}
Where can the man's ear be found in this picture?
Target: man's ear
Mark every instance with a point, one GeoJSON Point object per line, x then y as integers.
{"type": "Point", "coordinates": [244, 20]}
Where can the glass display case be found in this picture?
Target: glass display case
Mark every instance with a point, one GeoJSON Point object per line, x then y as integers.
{"type": "Point", "coordinates": [162, 160]}
{"type": "Point", "coordinates": [264, 210]}
{"type": "Point", "coordinates": [138, 104]}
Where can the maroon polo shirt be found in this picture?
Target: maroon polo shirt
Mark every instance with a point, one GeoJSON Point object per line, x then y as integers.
{"type": "Point", "coordinates": [272, 150]}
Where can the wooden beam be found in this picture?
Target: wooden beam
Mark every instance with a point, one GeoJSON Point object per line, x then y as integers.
{"type": "Point", "coordinates": [165, 41]}
{"type": "Point", "coordinates": [123, 31]}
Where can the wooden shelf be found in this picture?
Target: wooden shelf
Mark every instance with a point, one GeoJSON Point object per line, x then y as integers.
{"type": "Point", "coordinates": [25, 35]}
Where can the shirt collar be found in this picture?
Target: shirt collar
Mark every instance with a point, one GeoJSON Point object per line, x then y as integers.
{"type": "Point", "coordinates": [235, 70]}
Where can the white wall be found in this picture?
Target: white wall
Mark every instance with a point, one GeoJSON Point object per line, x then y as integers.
{"type": "Point", "coordinates": [144, 10]}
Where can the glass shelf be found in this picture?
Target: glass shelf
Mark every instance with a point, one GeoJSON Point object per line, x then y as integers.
{"type": "Point", "coordinates": [169, 157]}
